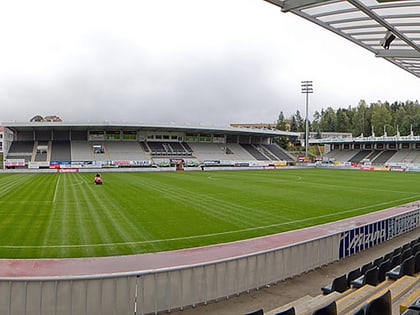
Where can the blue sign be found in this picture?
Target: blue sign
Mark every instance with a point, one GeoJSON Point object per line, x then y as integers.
{"type": "Point", "coordinates": [369, 235]}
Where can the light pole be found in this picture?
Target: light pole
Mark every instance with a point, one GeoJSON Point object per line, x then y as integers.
{"type": "Point", "coordinates": [306, 89]}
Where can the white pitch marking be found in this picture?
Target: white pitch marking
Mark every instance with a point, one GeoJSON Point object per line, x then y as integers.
{"type": "Point", "coordinates": [56, 187]}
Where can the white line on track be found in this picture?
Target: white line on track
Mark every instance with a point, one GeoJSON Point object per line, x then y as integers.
{"type": "Point", "coordinates": [195, 236]}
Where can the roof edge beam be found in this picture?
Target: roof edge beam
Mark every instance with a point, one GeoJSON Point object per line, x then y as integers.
{"type": "Point", "coordinates": [290, 5]}
{"type": "Point", "coordinates": [398, 53]}
{"type": "Point", "coordinates": [383, 23]}
{"type": "Point", "coordinates": [279, 3]}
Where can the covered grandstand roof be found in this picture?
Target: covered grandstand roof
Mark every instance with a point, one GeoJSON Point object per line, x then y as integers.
{"type": "Point", "coordinates": [389, 29]}
{"type": "Point", "coordinates": [28, 126]}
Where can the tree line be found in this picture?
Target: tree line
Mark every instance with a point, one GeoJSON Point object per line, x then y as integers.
{"type": "Point", "coordinates": [378, 118]}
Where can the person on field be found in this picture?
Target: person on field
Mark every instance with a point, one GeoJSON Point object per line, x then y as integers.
{"type": "Point", "coordinates": [98, 179]}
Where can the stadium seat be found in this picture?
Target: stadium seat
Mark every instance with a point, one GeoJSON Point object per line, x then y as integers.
{"type": "Point", "coordinates": [415, 306]}
{"type": "Point", "coordinates": [395, 260]}
{"type": "Point", "coordinates": [370, 277]}
{"type": "Point", "coordinates": [352, 275]}
{"type": "Point", "coordinates": [406, 268]}
{"type": "Point", "coordinates": [378, 261]}
{"type": "Point", "coordinates": [289, 311]}
{"type": "Point", "coordinates": [405, 247]}
{"type": "Point", "coordinates": [397, 251]}
{"type": "Point", "coordinates": [330, 309]}
{"type": "Point", "coordinates": [405, 254]}
{"type": "Point", "coordinates": [383, 269]}
{"type": "Point", "coordinates": [411, 312]}
{"type": "Point", "coordinates": [360, 311]}
{"type": "Point", "coordinates": [257, 312]}
{"type": "Point", "coordinates": [388, 256]}
{"type": "Point", "coordinates": [417, 262]}
{"type": "Point", "coordinates": [380, 306]}
{"type": "Point", "coordinates": [415, 249]}
{"type": "Point", "coordinates": [366, 267]}
{"type": "Point", "coordinates": [339, 284]}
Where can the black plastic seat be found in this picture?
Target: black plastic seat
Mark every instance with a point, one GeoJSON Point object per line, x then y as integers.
{"type": "Point", "coordinates": [366, 267]}
{"type": "Point", "coordinates": [405, 247]}
{"type": "Point", "coordinates": [415, 249]}
{"type": "Point", "coordinates": [370, 277]}
{"type": "Point", "coordinates": [411, 312]}
{"type": "Point", "coordinates": [360, 311]}
{"type": "Point", "coordinates": [405, 254]}
{"type": "Point", "coordinates": [397, 251]}
{"type": "Point", "coordinates": [395, 260]}
{"type": "Point", "coordinates": [380, 306]}
{"type": "Point", "coordinates": [352, 275]}
{"type": "Point", "coordinates": [339, 284]}
{"type": "Point", "coordinates": [289, 311]}
{"type": "Point", "coordinates": [330, 309]}
{"type": "Point", "coordinates": [388, 256]}
{"type": "Point", "coordinates": [257, 312]}
{"type": "Point", "coordinates": [406, 268]}
{"type": "Point", "coordinates": [415, 306]}
{"type": "Point", "coordinates": [417, 262]}
{"type": "Point", "coordinates": [383, 269]}
{"type": "Point", "coordinates": [378, 261]}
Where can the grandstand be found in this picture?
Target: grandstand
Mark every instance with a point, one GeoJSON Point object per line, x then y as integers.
{"type": "Point", "coordinates": [61, 145]}
{"type": "Point", "coordinates": [374, 150]}
{"type": "Point", "coordinates": [37, 287]}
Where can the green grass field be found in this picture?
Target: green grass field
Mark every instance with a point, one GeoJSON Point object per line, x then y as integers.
{"type": "Point", "coordinates": [66, 215]}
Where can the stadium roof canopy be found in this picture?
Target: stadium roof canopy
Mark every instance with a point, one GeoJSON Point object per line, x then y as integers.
{"type": "Point", "coordinates": [32, 126]}
{"type": "Point", "coordinates": [388, 28]}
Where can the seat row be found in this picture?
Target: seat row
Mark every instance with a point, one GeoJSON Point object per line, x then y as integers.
{"type": "Point", "coordinates": [404, 260]}
{"type": "Point", "coordinates": [381, 305]}
{"type": "Point", "coordinates": [401, 263]}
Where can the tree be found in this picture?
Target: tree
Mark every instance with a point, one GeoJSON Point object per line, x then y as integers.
{"type": "Point", "coordinates": [281, 122]}
{"type": "Point", "coordinates": [316, 121]}
{"type": "Point", "coordinates": [300, 122]}
{"type": "Point", "coordinates": [328, 121]}
{"type": "Point", "coordinates": [381, 118]}
{"type": "Point", "coordinates": [361, 121]}
{"type": "Point", "coordinates": [282, 125]}
{"type": "Point", "coordinates": [37, 118]}
{"type": "Point", "coordinates": [294, 125]}
{"type": "Point", "coordinates": [343, 121]}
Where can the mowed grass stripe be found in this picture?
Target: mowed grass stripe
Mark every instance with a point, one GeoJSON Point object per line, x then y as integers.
{"type": "Point", "coordinates": [105, 226]}
{"type": "Point", "coordinates": [66, 215]}
{"type": "Point", "coordinates": [213, 198]}
{"type": "Point", "coordinates": [25, 222]}
{"type": "Point", "coordinates": [216, 209]}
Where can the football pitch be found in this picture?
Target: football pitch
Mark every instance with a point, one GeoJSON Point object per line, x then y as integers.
{"type": "Point", "coordinates": [66, 215]}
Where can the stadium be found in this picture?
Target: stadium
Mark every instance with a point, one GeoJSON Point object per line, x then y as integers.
{"type": "Point", "coordinates": [107, 257]}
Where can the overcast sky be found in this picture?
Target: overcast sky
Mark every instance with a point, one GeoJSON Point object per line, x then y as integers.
{"type": "Point", "coordinates": [179, 61]}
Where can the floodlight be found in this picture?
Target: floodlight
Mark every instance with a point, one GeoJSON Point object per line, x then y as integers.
{"type": "Point", "coordinates": [387, 40]}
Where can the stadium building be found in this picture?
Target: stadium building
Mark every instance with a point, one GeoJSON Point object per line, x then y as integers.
{"type": "Point", "coordinates": [397, 152]}
{"type": "Point", "coordinates": [96, 145]}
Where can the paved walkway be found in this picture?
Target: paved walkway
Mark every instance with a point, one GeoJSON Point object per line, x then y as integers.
{"type": "Point", "coordinates": [290, 290]}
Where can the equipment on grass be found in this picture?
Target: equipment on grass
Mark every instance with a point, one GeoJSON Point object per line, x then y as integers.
{"type": "Point", "coordinates": [98, 179]}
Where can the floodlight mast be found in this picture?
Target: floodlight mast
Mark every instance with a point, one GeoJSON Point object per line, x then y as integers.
{"type": "Point", "coordinates": [307, 89]}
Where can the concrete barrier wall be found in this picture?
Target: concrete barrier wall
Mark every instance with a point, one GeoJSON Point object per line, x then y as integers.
{"type": "Point", "coordinates": [153, 291]}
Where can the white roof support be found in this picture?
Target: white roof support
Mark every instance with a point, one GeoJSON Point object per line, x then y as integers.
{"type": "Point", "coordinates": [368, 23]}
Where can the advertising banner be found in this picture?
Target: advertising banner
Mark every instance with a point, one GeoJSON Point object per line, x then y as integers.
{"type": "Point", "coordinates": [366, 236]}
